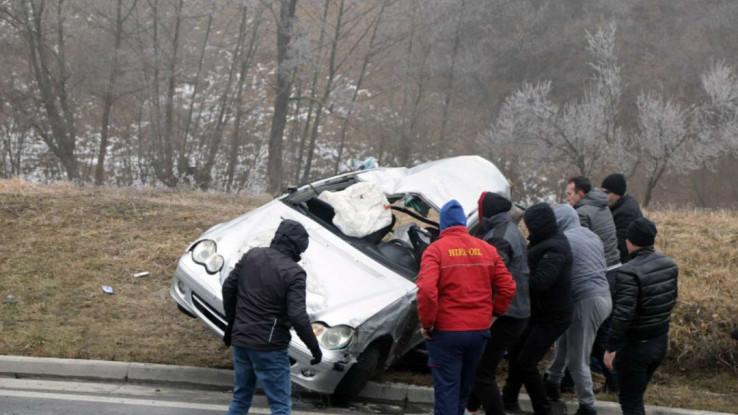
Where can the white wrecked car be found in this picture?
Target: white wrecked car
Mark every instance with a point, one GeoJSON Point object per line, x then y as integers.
{"type": "Point", "coordinates": [361, 263]}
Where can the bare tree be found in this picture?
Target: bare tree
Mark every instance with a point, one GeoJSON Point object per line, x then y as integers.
{"type": "Point", "coordinates": [284, 22]}
{"type": "Point", "coordinates": [109, 96]}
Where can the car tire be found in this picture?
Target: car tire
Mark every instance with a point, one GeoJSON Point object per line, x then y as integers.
{"type": "Point", "coordinates": [361, 372]}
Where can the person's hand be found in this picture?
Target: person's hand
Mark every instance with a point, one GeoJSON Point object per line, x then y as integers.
{"type": "Point", "coordinates": [227, 335]}
{"type": "Point", "coordinates": [609, 359]}
{"type": "Point", "coordinates": [426, 333]}
{"type": "Point", "coordinates": [317, 358]}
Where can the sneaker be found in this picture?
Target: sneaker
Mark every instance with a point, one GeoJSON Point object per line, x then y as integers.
{"type": "Point", "coordinates": [512, 407]}
{"type": "Point", "coordinates": [557, 408]}
{"type": "Point", "coordinates": [586, 410]}
{"type": "Point", "coordinates": [553, 393]}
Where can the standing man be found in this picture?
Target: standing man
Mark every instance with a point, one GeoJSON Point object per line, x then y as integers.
{"type": "Point", "coordinates": [594, 214]}
{"type": "Point", "coordinates": [551, 306]}
{"type": "Point", "coordinates": [462, 284]}
{"type": "Point", "coordinates": [497, 228]}
{"type": "Point", "coordinates": [624, 209]}
{"type": "Point", "coordinates": [263, 297]}
{"type": "Point", "coordinates": [645, 294]}
{"type": "Point", "coordinates": [592, 305]}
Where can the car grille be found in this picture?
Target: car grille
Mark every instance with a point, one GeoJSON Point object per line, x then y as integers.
{"type": "Point", "coordinates": [212, 315]}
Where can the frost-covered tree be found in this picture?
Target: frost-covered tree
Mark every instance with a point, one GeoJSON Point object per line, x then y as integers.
{"type": "Point", "coordinates": [577, 135]}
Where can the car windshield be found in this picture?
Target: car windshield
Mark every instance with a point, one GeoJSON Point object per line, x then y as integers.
{"type": "Point", "coordinates": [398, 246]}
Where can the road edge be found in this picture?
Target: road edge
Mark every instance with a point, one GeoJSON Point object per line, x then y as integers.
{"type": "Point", "coordinates": [24, 366]}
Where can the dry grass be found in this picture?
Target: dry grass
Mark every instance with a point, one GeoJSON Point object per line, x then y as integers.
{"type": "Point", "coordinates": [60, 243]}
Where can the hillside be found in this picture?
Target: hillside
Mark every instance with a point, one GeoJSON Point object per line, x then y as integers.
{"type": "Point", "coordinates": [61, 243]}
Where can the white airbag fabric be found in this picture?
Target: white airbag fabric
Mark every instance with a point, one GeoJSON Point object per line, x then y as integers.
{"type": "Point", "coordinates": [360, 209]}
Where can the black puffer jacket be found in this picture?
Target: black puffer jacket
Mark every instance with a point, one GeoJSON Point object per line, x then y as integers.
{"type": "Point", "coordinates": [645, 294]}
{"type": "Point", "coordinates": [624, 212]}
{"type": "Point", "coordinates": [549, 260]}
{"type": "Point", "coordinates": [264, 295]}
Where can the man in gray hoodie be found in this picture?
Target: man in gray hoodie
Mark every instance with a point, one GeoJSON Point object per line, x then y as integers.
{"type": "Point", "coordinates": [592, 305]}
{"type": "Point", "coordinates": [594, 214]}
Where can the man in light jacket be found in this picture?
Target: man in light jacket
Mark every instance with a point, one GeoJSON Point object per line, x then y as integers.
{"type": "Point", "coordinates": [592, 305]}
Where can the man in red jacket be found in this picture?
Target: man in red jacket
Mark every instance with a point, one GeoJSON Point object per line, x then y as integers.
{"type": "Point", "coordinates": [462, 284]}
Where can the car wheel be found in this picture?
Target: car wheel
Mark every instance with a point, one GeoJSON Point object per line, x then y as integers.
{"type": "Point", "coordinates": [359, 374]}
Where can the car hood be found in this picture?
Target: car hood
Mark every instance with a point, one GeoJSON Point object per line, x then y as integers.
{"type": "Point", "coordinates": [462, 178]}
{"type": "Point", "coordinates": [344, 286]}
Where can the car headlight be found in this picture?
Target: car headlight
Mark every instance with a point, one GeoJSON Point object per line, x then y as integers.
{"type": "Point", "coordinates": [333, 338]}
{"type": "Point", "coordinates": [205, 253]}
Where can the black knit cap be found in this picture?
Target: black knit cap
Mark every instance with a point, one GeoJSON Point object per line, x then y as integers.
{"type": "Point", "coordinates": [615, 183]}
{"type": "Point", "coordinates": [642, 232]}
{"type": "Point", "coordinates": [491, 204]}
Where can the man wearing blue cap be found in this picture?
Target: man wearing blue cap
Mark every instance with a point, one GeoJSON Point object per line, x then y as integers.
{"type": "Point", "coordinates": [462, 284]}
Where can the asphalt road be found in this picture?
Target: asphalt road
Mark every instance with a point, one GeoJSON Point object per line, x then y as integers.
{"type": "Point", "coordinates": [62, 397]}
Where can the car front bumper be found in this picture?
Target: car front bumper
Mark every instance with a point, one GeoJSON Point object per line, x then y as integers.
{"type": "Point", "coordinates": [195, 297]}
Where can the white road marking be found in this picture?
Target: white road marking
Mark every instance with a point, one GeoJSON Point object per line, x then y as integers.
{"type": "Point", "coordinates": [130, 401]}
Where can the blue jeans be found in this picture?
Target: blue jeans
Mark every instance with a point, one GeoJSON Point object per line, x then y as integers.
{"type": "Point", "coordinates": [453, 357]}
{"type": "Point", "coordinates": [271, 369]}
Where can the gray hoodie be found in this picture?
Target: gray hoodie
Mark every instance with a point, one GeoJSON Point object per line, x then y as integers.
{"type": "Point", "coordinates": [518, 267]}
{"type": "Point", "coordinates": [588, 268]}
{"type": "Point", "coordinates": [594, 214]}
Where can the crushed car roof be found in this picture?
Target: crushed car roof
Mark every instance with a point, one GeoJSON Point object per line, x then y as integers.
{"type": "Point", "coordinates": [462, 178]}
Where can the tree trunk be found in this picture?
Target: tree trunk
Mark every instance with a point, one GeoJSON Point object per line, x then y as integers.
{"type": "Point", "coordinates": [359, 82]}
{"type": "Point", "coordinates": [326, 93]}
{"type": "Point", "coordinates": [204, 176]}
{"type": "Point", "coordinates": [450, 83]}
{"type": "Point", "coordinates": [281, 98]}
{"type": "Point", "coordinates": [108, 95]}
{"type": "Point", "coordinates": [183, 163]}
{"type": "Point", "coordinates": [168, 176]}
{"type": "Point", "coordinates": [236, 137]}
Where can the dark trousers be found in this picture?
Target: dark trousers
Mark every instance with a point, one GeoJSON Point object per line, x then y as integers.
{"type": "Point", "coordinates": [453, 358]}
{"type": "Point", "coordinates": [536, 340]}
{"type": "Point", "coordinates": [503, 334]}
{"type": "Point", "coordinates": [635, 363]}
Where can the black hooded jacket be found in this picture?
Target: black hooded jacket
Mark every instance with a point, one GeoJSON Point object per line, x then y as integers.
{"type": "Point", "coordinates": [264, 295]}
{"type": "Point", "coordinates": [550, 261]}
{"type": "Point", "coordinates": [624, 212]}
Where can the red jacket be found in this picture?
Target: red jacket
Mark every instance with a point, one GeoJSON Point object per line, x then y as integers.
{"type": "Point", "coordinates": [462, 283]}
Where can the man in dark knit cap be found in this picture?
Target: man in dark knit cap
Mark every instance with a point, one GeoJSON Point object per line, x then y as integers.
{"type": "Point", "coordinates": [645, 294]}
{"type": "Point", "coordinates": [624, 209]}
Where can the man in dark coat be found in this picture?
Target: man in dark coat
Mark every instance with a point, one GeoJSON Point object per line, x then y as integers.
{"type": "Point", "coordinates": [645, 295]}
{"type": "Point", "coordinates": [263, 297]}
{"type": "Point", "coordinates": [497, 228]}
{"type": "Point", "coordinates": [551, 307]}
{"type": "Point", "coordinates": [624, 209]}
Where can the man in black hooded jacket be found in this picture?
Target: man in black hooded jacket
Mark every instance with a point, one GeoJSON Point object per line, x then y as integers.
{"type": "Point", "coordinates": [263, 297]}
{"type": "Point", "coordinates": [551, 307]}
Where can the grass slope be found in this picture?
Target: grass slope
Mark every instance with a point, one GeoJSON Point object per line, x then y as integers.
{"type": "Point", "coordinates": [60, 243]}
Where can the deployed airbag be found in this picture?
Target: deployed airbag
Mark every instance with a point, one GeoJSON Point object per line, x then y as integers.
{"type": "Point", "coordinates": [361, 209]}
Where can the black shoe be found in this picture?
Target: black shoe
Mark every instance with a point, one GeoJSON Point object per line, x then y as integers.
{"type": "Point", "coordinates": [557, 408]}
{"type": "Point", "coordinates": [586, 410]}
{"type": "Point", "coordinates": [552, 391]}
{"type": "Point", "coordinates": [512, 407]}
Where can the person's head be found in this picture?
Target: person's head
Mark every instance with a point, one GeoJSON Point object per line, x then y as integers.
{"type": "Point", "coordinates": [566, 217]}
{"type": "Point", "coordinates": [641, 234]}
{"type": "Point", "coordinates": [490, 204]}
{"type": "Point", "coordinates": [541, 222]}
{"type": "Point", "coordinates": [452, 214]}
{"type": "Point", "coordinates": [576, 189]}
{"type": "Point", "coordinates": [615, 187]}
{"type": "Point", "coordinates": [291, 238]}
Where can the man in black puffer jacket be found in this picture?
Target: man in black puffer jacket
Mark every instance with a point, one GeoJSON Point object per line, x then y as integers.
{"type": "Point", "coordinates": [263, 297]}
{"type": "Point", "coordinates": [551, 307]}
{"type": "Point", "coordinates": [645, 294]}
{"type": "Point", "coordinates": [624, 209]}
